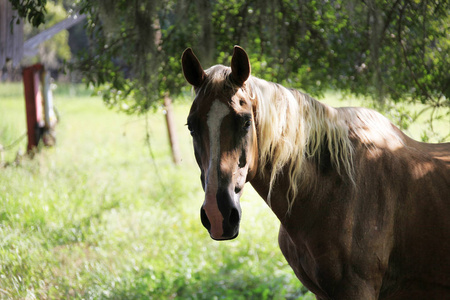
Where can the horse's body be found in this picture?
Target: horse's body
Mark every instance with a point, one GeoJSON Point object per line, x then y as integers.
{"type": "Point", "coordinates": [364, 210]}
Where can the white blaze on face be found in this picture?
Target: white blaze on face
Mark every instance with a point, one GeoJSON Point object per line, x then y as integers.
{"type": "Point", "coordinates": [216, 114]}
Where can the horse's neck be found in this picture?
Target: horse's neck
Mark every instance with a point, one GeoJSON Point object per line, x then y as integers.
{"type": "Point", "coordinates": [278, 201]}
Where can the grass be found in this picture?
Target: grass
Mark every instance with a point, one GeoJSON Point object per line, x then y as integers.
{"type": "Point", "coordinates": [96, 218]}
{"type": "Point", "coordinates": [93, 218]}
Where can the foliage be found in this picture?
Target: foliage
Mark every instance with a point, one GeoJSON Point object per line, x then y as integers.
{"type": "Point", "coordinates": [32, 10]}
{"type": "Point", "coordinates": [387, 50]}
{"type": "Point", "coordinates": [391, 51]}
{"type": "Point", "coordinates": [131, 62]}
{"type": "Point", "coordinates": [52, 53]}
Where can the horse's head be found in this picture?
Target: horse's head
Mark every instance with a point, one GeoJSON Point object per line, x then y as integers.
{"type": "Point", "coordinates": [221, 122]}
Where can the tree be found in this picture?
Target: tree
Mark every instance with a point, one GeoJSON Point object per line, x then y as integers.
{"type": "Point", "coordinates": [134, 57]}
{"type": "Point", "coordinates": [392, 51]}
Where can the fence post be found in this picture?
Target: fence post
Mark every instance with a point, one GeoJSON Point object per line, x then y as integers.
{"type": "Point", "coordinates": [170, 121]}
{"type": "Point", "coordinates": [33, 104]}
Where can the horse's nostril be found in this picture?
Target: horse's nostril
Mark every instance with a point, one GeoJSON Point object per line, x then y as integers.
{"type": "Point", "coordinates": [205, 220]}
{"type": "Point", "coordinates": [237, 189]}
{"type": "Point", "coordinates": [234, 217]}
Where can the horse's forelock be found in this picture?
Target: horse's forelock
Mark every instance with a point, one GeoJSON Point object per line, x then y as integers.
{"type": "Point", "coordinates": [217, 80]}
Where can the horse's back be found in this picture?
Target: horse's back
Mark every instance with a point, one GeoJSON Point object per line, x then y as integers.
{"type": "Point", "coordinates": [437, 151]}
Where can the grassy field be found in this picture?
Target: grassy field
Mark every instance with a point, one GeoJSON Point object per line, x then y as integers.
{"type": "Point", "coordinates": [97, 218]}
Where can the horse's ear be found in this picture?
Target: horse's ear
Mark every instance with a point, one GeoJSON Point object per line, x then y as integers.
{"type": "Point", "coordinates": [240, 66]}
{"type": "Point", "coordinates": [192, 69]}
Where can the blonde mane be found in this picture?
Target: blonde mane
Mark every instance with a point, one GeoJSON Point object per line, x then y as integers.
{"type": "Point", "coordinates": [294, 128]}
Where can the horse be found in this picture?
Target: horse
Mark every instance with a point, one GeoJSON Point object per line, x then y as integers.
{"type": "Point", "coordinates": [364, 209]}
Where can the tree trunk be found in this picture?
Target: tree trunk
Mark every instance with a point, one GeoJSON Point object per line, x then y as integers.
{"type": "Point", "coordinates": [376, 25]}
{"type": "Point", "coordinates": [206, 45]}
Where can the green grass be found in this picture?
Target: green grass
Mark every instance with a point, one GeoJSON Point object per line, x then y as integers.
{"type": "Point", "coordinates": [96, 218]}
{"type": "Point", "coordinates": [93, 218]}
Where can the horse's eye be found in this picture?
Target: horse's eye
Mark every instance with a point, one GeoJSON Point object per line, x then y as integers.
{"type": "Point", "coordinates": [191, 130]}
{"type": "Point", "coordinates": [247, 124]}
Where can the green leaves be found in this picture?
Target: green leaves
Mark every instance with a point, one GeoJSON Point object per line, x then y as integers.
{"type": "Point", "coordinates": [387, 50]}
{"type": "Point", "coordinates": [32, 10]}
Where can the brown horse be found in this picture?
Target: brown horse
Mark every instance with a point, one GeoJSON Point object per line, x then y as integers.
{"type": "Point", "coordinates": [364, 210]}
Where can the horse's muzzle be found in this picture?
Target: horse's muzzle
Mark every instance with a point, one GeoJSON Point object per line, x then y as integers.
{"type": "Point", "coordinates": [229, 215]}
